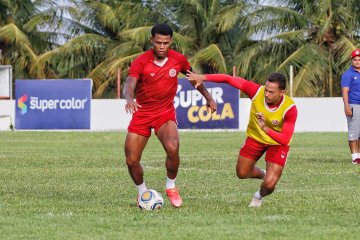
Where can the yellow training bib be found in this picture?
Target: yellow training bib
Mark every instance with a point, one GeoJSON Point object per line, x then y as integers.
{"type": "Point", "coordinates": [274, 118]}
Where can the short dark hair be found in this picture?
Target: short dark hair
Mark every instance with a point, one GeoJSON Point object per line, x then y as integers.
{"type": "Point", "coordinates": [162, 29]}
{"type": "Point", "coordinates": [278, 78]}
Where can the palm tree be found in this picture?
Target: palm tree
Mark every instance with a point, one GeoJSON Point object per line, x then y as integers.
{"type": "Point", "coordinates": [213, 26]}
{"type": "Point", "coordinates": [316, 37]}
{"type": "Point", "coordinates": [28, 29]}
{"type": "Point", "coordinates": [112, 34]}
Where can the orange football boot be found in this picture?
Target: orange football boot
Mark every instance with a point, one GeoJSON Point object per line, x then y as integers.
{"type": "Point", "coordinates": [174, 196]}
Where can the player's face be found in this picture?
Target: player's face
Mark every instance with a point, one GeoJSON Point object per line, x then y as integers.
{"type": "Point", "coordinates": [273, 93]}
{"type": "Point", "coordinates": [161, 45]}
{"type": "Point", "coordinates": [356, 62]}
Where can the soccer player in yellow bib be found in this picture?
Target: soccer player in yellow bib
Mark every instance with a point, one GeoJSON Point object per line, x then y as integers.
{"type": "Point", "coordinates": [271, 126]}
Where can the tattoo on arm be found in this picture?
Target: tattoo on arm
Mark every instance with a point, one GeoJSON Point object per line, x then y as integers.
{"type": "Point", "coordinates": [203, 90]}
{"type": "Point", "coordinates": [129, 89]}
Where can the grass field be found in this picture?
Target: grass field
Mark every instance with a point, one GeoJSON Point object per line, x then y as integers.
{"type": "Point", "coordinates": [75, 185]}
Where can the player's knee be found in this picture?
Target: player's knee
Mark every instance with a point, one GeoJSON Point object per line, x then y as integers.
{"type": "Point", "coordinates": [270, 184]}
{"type": "Point", "coordinates": [172, 148]}
{"type": "Point", "coordinates": [241, 173]}
{"type": "Point", "coordinates": [131, 163]}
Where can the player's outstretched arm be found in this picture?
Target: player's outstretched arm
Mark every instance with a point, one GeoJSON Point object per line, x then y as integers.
{"type": "Point", "coordinates": [247, 87]}
{"type": "Point", "coordinates": [237, 82]}
{"type": "Point", "coordinates": [195, 78]}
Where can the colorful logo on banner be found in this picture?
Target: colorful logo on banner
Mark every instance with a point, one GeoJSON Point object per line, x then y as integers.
{"type": "Point", "coordinates": [191, 108]}
{"type": "Point", "coordinates": [53, 104]}
{"type": "Point", "coordinates": [21, 104]}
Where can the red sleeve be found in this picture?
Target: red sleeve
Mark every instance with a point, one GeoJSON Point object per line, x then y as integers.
{"type": "Point", "coordinates": [136, 68]}
{"type": "Point", "coordinates": [185, 66]}
{"type": "Point", "coordinates": [287, 131]}
{"type": "Point", "coordinates": [249, 88]}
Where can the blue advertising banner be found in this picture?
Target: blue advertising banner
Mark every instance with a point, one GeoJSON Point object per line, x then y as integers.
{"type": "Point", "coordinates": [191, 109]}
{"type": "Point", "coordinates": [53, 104]}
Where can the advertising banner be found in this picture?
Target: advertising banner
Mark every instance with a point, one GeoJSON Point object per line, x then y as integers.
{"type": "Point", "coordinates": [191, 109]}
{"type": "Point", "coordinates": [53, 104]}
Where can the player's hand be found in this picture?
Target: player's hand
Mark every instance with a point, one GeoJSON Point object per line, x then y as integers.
{"type": "Point", "coordinates": [131, 106]}
{"type": "Point", "coordinates": [348, 111]}
{"type": "Point", "coordinates": [198, 78]}
{"type": "Point", "coordinates": [261, 120]}
{"type": "Point", "coordinates": [211, 105]}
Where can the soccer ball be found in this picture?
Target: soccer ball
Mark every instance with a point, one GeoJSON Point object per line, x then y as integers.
{"type": "Point", "coordinates": [150, 200]}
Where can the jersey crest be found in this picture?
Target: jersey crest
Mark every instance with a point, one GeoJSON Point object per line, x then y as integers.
{"type": "Point", "coordinates": [172, 72]}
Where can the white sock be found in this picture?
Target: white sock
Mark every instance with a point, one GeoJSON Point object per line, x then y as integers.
{"type": "Point", "coordinates": [170, 183]}
{"type": "Point", "coordinates": [257, 195]}
{"type": "Point", "coordinates": [141, 188]}
{"type": "Point", "coordinates": [354, 156]}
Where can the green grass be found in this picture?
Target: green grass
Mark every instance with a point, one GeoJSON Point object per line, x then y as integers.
{"type": "Point", "coordinates": [75, 185]}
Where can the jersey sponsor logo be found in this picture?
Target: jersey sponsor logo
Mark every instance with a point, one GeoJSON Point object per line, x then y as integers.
{"type": "Point", "coordinates": [172, 72]}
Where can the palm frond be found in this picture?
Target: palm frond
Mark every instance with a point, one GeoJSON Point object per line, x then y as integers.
{"type": "Point", "coordinates": [106, 15]}
{"type": "Point", "coordinates": [343, 48]}
{"type": "Point", "coordinates": [211, 56]}
{"type": "Point", "coordinates": [228, 16]}
{"type": "Point", "coordinates": [100, 90]}
{"type": "Point", "coordinates": [121, 62]}
{"type": "Point", "coordinates": [140, 35]}
{"type": "Point", "coordinates": [10, 33]}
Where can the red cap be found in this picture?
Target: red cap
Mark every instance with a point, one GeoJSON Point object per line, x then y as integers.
{"type": "Point", "coordinates": [355, 53]}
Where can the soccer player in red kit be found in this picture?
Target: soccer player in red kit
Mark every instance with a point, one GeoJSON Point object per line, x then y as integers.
{"type": "Point", "coordinates": [149, 90]}
{"type": "Point", "coordinates": [271, 126]}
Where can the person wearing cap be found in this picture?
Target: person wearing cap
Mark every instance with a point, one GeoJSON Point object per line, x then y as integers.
{"type": "Point", "coordinates": [271, 126]}
{"type": "Point", "coordinates": [350, 86]}
{"type": "Point", "coordinates": [149, 90]}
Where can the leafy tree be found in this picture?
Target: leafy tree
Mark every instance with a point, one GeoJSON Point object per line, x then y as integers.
{"type": "Point", "coordinates": [316, 37]}
{"type": "Point", "coordinates": [213, 26]}
{"type": "Point", "coordinates": [113, 34]}
{"type": "Point", "coordinates": [28, 29]}
{"type": "Point", "coordinates": [87, 38]}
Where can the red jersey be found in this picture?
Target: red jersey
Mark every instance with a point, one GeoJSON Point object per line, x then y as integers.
{"type": "Point", "coordinates": [250, 88]}
{"type": "Point", "coordinates": [157, 85]}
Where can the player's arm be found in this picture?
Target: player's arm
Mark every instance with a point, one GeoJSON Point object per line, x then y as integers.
{"type": "Point", "coordinates": [129, 92]}
{"type": "Point", "coordinates": [345, 96]}
{"type": "Point", "coordinates": [288, 128]}
{"type": "Point", "coordinates": [249, 88]}
{"type": "Point", "coordinates": [210, 102]}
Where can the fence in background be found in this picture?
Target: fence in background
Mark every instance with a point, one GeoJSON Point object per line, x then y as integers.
{"type": "Point", "coordinates": [314, 114]}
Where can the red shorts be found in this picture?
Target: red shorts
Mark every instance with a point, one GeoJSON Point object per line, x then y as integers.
{"type": "Point", "coordinates": [142, 122]}
{"type": "Point", "coordinates": [274, 153]}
